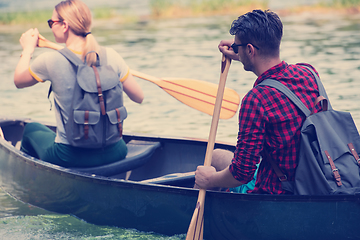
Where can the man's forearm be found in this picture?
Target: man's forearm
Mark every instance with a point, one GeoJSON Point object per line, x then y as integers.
{"type": "Point", "coordinates": [224, 179]}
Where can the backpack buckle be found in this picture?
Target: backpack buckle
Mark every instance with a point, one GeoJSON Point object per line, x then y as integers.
{"type": "Point", "coordinates": [283, 178]}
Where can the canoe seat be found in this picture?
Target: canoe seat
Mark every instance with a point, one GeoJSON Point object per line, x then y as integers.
{"type": "Point", "coordinates": [174, 179]}
{"type": "Point", "coordinates": [139, 153]}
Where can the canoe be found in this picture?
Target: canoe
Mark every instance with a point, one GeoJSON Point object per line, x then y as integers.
{"type": "Point", "coordinates": [157, 197]}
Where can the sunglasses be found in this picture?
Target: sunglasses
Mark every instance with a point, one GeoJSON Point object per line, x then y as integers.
{"type": "Point", "coordinates": [235, 47]}
{"type": "Point", "coordinates": [51, 22]}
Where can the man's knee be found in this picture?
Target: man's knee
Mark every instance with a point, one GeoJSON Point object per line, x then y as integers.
{"type": "Point", "coordinates": [221, 159]}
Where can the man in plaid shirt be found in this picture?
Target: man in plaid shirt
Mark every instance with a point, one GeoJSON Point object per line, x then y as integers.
{"type": "Point", "coordinates": [268, 121]}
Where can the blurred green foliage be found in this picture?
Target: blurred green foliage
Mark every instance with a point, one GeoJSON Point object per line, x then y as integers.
{"type": "Point", "coordinates": [161, 8]}
{"type": "Point", "coordinates": [167, 8]}
{"type": "Point", "coordinates": [41, 16]}
{"type": "Point", "coordinates": [12, 18]}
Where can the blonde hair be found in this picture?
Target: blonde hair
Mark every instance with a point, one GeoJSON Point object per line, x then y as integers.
{"type": "Point", "coordinates": [79, 18]}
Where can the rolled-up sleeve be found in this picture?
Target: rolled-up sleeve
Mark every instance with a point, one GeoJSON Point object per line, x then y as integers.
{"type": "Point", "coordinates": [250, 138]}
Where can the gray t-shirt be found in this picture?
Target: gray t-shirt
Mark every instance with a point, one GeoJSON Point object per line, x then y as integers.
{"type": "Point", "coordinates": [54, 67]}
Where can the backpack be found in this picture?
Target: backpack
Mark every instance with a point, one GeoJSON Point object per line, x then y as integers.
{"type": "Point", "coordinates": [328, 161]}
{"type": "Point", "coordinates": [97, 110]}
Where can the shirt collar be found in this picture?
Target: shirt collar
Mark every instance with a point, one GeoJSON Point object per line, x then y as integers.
{"type": "Point", "coordinates": [76, 52]}
{"type": "Point", "coordinates": [270, 72]}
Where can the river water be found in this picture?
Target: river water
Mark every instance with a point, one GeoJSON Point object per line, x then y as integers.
{"type": "Point", "coordinates": [184, 48]}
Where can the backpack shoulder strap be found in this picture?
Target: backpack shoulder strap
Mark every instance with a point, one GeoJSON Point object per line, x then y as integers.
{"type": "Point", "coordinates": [322, 91]}
{"type": "Point", "coordinates": [285, 90]}
{"type": "Point", "coordinates": [69, 55]}
{"type": "Point", "coordinates": [77, 61]}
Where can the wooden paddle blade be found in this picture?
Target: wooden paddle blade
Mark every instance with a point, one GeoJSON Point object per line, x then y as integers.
{"type": "Point", "coordinates": [201, 95]}
{"type": "Point", "coordinates": [197, 94]}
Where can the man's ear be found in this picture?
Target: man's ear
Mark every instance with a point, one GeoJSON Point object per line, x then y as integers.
{"type": "Point", "coordinates": [250, 50]}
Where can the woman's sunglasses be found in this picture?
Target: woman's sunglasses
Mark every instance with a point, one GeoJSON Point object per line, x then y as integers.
{"type": "Point", "coordinates": [51, 22]}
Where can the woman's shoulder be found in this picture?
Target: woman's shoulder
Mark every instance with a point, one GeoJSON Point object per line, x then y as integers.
{"type": "Point", "coordinates": [50, 56]}
{"type": "Point", "coordinates": [114, 58]}
{"type": "Point", "coordinates": [110, 52]}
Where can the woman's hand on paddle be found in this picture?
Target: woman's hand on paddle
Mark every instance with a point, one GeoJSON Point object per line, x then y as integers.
{"type": "Point", "coordinates": [225, 48]}
{"type": "Point", "coordinates": [22, 76]}
{"type": "Point", "coordinates": [29, 40]}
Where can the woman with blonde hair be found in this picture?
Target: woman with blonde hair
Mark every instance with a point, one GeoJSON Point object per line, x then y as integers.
{"type": "Point", "coordinates": [70, 24]}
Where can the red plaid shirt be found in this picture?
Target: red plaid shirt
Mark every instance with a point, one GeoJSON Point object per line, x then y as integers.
{"type": "Point", "coordinates": [268, 119]}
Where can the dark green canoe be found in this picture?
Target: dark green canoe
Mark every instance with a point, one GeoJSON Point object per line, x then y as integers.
{"type": "Point", "coordinates": [158, 198]}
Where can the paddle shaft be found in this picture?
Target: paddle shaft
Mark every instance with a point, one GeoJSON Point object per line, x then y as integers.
{"type": "Point", "coordinates": [195, 231]}
{"type": "Point", "coordinates": [197, 94]}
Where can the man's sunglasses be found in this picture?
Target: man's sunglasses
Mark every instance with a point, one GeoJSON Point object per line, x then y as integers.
{"type": "Point", "coordinates": [51, 22]}
{"type": "Point", "coordinates": [235, 47]}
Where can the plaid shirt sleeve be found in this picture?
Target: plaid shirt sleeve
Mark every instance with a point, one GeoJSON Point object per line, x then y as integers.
{"type": "Point", "coordinates": [250, 138]}
{"type": "Point", "coordinates": [269, 120]}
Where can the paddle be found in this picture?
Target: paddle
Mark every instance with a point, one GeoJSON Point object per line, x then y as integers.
{"type": "Point", "coordinates": [195, 230]}
{"type": "Point", "coordinates": [1, 134]}
{"type": "Point", "coordinates": [197, 94]}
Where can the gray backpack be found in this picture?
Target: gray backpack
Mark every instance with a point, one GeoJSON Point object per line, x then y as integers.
{"type": "Point", "coordinates": [328, 161]}
{"type": "Point", "coordinates": [97, 113]}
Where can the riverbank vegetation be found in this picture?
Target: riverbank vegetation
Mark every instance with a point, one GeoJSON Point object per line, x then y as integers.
{"type": "Point", "coordinates": [41, 16]}
{"type": "Point", "coordinates": [162, 9]}
{"type": "Point", "coordinates": [327, 6]}
{"type": "Point", "coordinates": [185, 8]}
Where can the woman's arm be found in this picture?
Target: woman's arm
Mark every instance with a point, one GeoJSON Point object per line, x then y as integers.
{"type": "Point", "coordinates": [132, 89]}
{"type": "Point", "coordinates": [22, 76]}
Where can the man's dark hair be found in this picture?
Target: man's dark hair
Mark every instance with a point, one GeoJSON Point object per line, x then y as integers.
{"type": "Point", "coordinates": [261, 28]}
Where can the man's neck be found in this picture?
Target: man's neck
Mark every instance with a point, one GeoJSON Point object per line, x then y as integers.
{"type": "Point", "coordinates": [264, 64]}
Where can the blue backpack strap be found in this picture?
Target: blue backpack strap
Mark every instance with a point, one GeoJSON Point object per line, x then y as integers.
{"type": "Point", "coordinates": [285, 90]}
